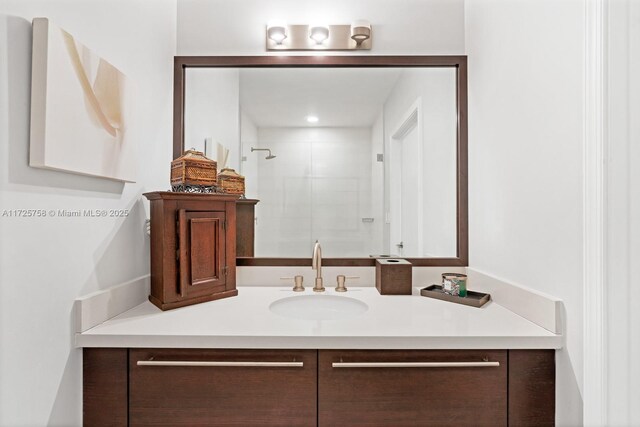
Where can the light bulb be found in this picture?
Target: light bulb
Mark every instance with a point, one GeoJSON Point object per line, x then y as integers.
{"type": "Point", "coordinates": [277, 31]}
{"type": "Point", "coordinates": [319, 33]}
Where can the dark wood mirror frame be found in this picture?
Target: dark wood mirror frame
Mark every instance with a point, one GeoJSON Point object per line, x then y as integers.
{"type": "Point", "coordinates": [181, 63]}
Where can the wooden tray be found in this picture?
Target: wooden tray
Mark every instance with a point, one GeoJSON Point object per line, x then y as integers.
{"type": "Point", "coordinates": [473, 299]}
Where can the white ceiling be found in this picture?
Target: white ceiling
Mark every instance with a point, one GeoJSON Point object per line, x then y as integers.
{"type": "Point", "coordinates": [349, 97]}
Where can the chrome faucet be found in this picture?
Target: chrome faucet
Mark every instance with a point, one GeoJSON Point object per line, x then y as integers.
{"type": "Point", "coordinates": [316, 264]}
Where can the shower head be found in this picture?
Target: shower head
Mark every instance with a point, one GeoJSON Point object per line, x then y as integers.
{"type": "Point", "coordinates": [269, 156]}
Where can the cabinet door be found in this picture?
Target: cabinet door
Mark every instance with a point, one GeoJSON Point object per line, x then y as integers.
{"type": "Point", "coordinates": [412, 388]}
{"type": "Point", "coordinates": [202, 255]}
{"type": "Point", "coordinates": [185, 387]}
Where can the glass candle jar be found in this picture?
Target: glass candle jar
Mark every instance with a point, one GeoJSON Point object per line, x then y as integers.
{"type": "Point", "coordinates": [454, 284]}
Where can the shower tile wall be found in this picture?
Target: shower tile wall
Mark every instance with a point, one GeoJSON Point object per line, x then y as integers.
{"type": "Point", "coordinates": [318, 187]}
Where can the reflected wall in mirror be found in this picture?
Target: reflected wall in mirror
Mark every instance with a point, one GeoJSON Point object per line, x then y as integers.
{"type": "Point", "coordinates": [363, 159]}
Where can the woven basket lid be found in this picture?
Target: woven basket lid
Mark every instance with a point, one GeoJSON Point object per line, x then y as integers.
{"type": "Point", "coordinates": [194, 155]}
{"type": "Point", "coordinates": [228, 172]}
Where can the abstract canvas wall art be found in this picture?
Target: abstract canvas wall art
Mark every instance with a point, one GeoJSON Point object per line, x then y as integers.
{"type": "Point", "coordinates": [80, 109]}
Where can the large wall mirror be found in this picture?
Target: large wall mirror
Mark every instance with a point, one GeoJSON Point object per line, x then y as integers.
{"type": "Point", "coordinates": [366, 154]}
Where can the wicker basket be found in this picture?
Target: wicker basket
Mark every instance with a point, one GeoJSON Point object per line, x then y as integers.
{"type": "Point", "coordinates": [231, 182]}
{"type": "Point", "coordinates": [193, 169]}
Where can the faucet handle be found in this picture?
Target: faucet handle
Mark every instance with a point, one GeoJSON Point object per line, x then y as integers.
{"type": "Point", "coordinates": [341, 279]}
{"type": "Point", "coordinates": [298, 279]}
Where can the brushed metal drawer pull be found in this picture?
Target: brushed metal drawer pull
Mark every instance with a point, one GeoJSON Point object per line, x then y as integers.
{"type": "Point", "coordinates": [221, 364]}
{"type": "Point", "coordinates": [414, 364]}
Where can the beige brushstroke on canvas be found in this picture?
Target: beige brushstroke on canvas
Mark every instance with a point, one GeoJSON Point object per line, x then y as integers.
{"type": "Point", "coordinates": [103, 99]}
{"type": "Point", "coordinates": [79, 108]}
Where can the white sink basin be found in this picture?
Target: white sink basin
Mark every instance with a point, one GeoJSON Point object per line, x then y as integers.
{"type": "Point", "coordinates": [318, 307]}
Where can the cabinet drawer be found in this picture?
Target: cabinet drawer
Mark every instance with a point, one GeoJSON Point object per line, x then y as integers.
{"type": "Point", "coordinates": [222, 387]}
{"type": "Point", "coordinates": [402, 388]}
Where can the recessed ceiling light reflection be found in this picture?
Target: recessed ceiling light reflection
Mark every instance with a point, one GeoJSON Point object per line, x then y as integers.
{"type": "Point", "coordinates": [312, 119]}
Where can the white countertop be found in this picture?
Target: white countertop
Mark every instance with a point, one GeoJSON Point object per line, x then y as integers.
{"type": "Point", "coordinates": [391, 322]}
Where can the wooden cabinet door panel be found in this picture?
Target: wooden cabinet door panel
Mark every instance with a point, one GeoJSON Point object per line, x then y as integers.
{"type": "Point", "coordinates": [201, 252]}
{"type": "Point", "coordinates": [532, 385]}
{"type": "Point", "coordinates": [104, 392]}
{"type": "Point", "coordinates": [382, 395]}
{"type": "Point", "coordinates": [175, 395]}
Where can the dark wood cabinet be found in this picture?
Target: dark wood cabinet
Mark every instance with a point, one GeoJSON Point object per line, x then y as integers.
{"type": "Point", "coordinates": [532, 388]}
{"type": "Point", "coordinates": [246, 227]}
{"type": "Point", "coordinates": [105, 387]}
{"type": "Point", "coordinates": [193, 241]}
{"type": "Point", "coordinates": [408, 388]}
{"type": "Point", "coordinates": [222, 387]}
{"type": "Point", "coordinates": [147, 387]}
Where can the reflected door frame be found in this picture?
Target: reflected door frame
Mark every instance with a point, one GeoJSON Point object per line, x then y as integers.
{"type": "Point", "coordinates": [410, 120]}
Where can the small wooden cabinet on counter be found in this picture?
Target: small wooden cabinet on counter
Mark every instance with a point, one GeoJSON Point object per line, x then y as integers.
{"type": "Point", "coordinates": [193, 248]}
{"type": "Point", "coordinates": [318, 387]}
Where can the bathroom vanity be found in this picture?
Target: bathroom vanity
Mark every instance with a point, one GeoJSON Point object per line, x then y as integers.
{"type": "Point", "coordinates": [406, 360]}
{"type": "Point", "coordinates": [271, 356]}
{"type": "Point", "coordinates": [308, 389]}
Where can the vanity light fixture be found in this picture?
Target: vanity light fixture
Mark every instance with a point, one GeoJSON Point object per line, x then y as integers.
{"type": "Point", "coordinates": [312, 119]}
{"type": "Point", "coordinates": [360, 31]}
{"type": "Point", "coordinates": [277, 32]}
{"type": "Point", "coordinates": [355, 36]}
{"type": "Point", "coordinates": [319, 33]}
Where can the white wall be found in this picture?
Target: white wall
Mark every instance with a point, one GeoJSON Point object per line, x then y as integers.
{"type": "Point", "coordinates": [434, 90]}
{"type": "Point", "coordinates": [317, 188]}
{"type": "Point", "coordinates": [45, 263]}
{"type": "Point", "coordinates": [525, 159]}
{"type": "Point", "coordinates": [212, 110]}
{"type": "Point", "coordinates": [223, 27]}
